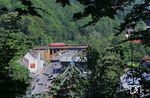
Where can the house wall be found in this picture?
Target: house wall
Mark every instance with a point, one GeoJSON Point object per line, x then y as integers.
{"type": "Point", "coordinates": [40, 62]}
{"type": "Point", "coordinates": [31, 60]}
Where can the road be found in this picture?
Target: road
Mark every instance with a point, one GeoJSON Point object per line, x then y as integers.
{"type": "Point", "coordinates": [42, 81]}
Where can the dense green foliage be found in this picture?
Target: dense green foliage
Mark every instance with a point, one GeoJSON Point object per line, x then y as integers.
{"type": "Point", "coordinates": [58, 24]}
{"type": "Point", "coordinates": [72, 82]}
{"type": "Point", "coordinates": [129, 11]}
{"type": "Point", "coordinates": [13, 43]}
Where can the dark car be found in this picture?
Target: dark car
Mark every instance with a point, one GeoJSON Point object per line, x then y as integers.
{"type": "Point", "coordinates": [45, 74]}
{"type": "Point", "coordinates": [50, 76]}
{"type": "Point", "coordinates": [49, 79]}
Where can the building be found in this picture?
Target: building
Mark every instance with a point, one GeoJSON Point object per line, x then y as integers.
{"type": "Point", "coordinates": [33, 61]}
{"type": "Point", "coordinates": [54, 49]}
{"type": "Point", "coordinates": [145, 62]}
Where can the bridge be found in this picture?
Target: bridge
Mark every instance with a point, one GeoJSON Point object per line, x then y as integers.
{"type": "Point", "coordinates": [48, 52]}
{"type": "Point", "coordinates": [68, 47]}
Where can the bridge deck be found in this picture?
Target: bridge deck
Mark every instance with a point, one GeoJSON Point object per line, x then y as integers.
{"type": "Point", "coordinates": [64, 47]}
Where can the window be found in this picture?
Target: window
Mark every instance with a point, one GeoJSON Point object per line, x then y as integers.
{"type": "Point", "coordinates": [32, 65]}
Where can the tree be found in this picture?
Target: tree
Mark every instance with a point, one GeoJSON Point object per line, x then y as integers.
{"type": "Point", "coordinates": [96, 8]}
{"type": "Point", "coordinates": [71, 83]}
{"type": "Point", "coordinates": [13, 44]}
{"type": "Point", "coordinates": [133, 12]}
{"type": "Point", "coordinates": [14, 77]}
{"type": "Point", "coordinates": [106, 70]}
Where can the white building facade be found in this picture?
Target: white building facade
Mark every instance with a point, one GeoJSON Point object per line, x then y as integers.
{"type": "Point", "coordinates": [33, 61]}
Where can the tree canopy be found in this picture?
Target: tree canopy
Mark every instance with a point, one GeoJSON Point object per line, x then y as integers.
{"type": "Point", "coordinates": [13, 44]}
{"type": "Point", "coordinates": [132, 12]}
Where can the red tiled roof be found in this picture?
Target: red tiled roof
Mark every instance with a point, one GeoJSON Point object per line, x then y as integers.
{"type": "Point", "coordinates": [136, 41]}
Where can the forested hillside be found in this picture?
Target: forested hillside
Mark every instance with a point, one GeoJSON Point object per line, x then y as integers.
{"type": "Point", "coordinates": [56, 23]}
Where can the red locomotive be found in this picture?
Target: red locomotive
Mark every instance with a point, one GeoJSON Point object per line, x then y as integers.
{"type": "Point", "coordinates": [58, 44]}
